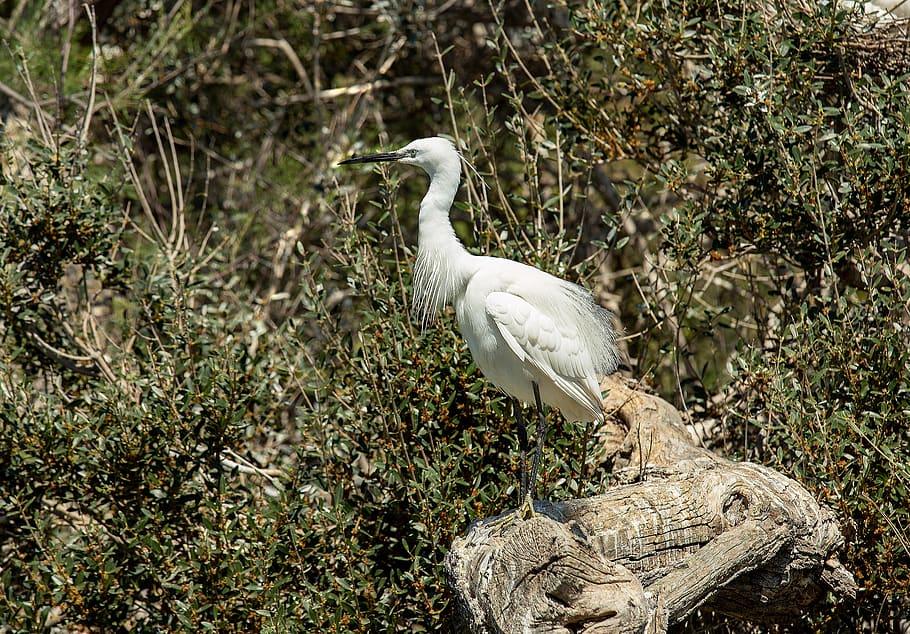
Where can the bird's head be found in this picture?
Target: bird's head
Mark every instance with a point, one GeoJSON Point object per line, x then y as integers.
{"type": "Point", "coordinates": [435, 155]}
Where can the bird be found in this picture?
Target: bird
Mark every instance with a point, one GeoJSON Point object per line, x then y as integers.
{"type": "Point", "coordinates": [538, 338]}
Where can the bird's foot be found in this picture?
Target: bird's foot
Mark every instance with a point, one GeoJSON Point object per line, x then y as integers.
{"type": "Point", "coordinates": [526, 510]}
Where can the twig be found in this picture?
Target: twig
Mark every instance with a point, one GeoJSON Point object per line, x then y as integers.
{"type": "Point", "coordinates": [243, 465]}
{"type": "Point", "coordinates": [358, 89]}
{"type": "Point", "coordinates": [90, 106]}
{"type": "Point", "coordinates": [291, 54]}
{"type": "Point", "coordinates": [15, 96]}
{"type": "Point", "coordinates": [76, 363]}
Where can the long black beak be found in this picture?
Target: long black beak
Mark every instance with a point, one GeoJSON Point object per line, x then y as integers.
{"type": "Point", "coordinates": [373, 158]}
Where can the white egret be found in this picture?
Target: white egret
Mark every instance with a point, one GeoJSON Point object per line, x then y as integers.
{"type": "Point", "coordinates": [538, 338]}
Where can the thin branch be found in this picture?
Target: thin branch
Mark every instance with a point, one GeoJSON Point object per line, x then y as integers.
{"type": "Point", "coordinates": [90, 106]}
{"type": "Point", "coordinates": [358, 89]}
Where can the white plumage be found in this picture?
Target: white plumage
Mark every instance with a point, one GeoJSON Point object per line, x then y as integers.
{"type": "Point", "coordinates": [525, 328]}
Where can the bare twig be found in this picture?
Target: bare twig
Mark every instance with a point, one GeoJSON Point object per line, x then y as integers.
{"type": "Point", "coordinates": [243, 465]}
{"type": "Point", "coordinates": [289, 52]}
{"type": "Point", "coordinates": [358, 89]}
{"type": "Point", "coordinates": [90, 106]}
{"type": "Point", "coordinates": [81, 364]}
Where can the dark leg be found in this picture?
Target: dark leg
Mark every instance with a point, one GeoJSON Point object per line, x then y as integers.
{"type": "Point", "coordinates": [541, 436]}
{"type": "Point", "coordinates": [523, 447]}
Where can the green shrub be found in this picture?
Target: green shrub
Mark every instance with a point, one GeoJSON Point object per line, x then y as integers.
{"type": "Point", "coordinates": [216, 410]}
{"type": "Point", "coordinates": [832, 405]}
{"type": "Point", "coordinates": [783, 145]}
{"type": "Point", "coordinates": [121, 401]}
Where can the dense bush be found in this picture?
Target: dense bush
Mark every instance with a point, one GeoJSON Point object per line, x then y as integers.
{"type": "Point", "coordinates": [217, 412]}
{"type": "Point", "coordinates": [786, 147]}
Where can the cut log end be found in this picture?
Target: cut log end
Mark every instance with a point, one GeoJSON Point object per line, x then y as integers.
{"type": "Point", "coordinates": [512, 574]}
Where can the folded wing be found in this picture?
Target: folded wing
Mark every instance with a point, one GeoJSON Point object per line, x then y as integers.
{"type": "Point", "coordinates": [554, 351]}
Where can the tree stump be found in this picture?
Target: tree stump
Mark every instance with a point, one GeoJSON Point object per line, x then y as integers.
{"type": "Point", "coordinates": [681, 529]}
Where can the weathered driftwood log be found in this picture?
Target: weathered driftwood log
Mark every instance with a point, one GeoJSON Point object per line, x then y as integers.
{"type": "Point", "coordinates": [681, 529]}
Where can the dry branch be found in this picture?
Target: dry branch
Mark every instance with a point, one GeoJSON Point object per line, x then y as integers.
{"type": "Point", "coordinates": [681, 529]}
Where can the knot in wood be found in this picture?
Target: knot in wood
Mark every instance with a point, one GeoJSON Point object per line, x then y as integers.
{"type": "Point", "coordinates": [735, 509]}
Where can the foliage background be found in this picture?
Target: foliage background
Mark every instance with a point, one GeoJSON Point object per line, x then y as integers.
{"type": "Point", "coordinates": [216, 412]}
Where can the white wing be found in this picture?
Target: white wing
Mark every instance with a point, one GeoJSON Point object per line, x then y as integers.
{"type": "Point", "coordinates": [555, 353]}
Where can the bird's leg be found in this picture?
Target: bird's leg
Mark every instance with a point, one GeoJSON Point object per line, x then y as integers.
{"type": "Point", "coordinates": [523, 448]}
{"type": "Point", "coordinates": [528, 502]}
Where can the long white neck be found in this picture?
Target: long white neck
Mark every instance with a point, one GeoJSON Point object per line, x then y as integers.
{"type": "Point", "coordinates": [443, 265]}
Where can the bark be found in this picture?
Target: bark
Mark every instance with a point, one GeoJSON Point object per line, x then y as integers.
{"type": "Point", "coordinates": [681, 529]}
